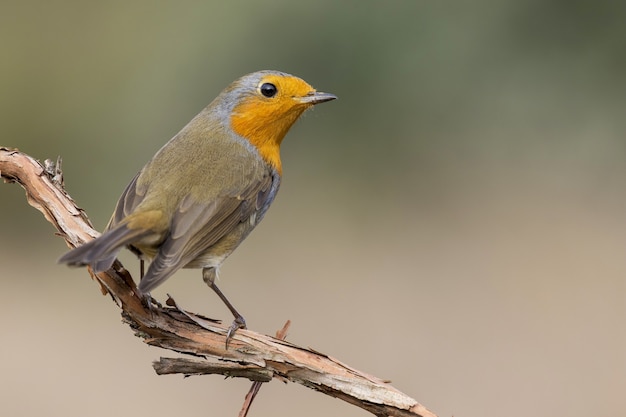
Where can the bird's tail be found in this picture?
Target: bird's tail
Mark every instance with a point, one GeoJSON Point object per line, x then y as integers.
{"type": "Point", "coordinates": [100, 253]}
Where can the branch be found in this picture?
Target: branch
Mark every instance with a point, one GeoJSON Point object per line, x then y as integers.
{"type": "Point", "coordinates": [250, 355]}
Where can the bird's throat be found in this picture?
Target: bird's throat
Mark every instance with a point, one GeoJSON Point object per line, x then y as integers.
{"type": "Point", "coordinates": [264, 130]}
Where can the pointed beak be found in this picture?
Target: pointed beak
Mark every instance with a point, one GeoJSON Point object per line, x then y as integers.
{"type": "Point", "coordinates": [315, 97]}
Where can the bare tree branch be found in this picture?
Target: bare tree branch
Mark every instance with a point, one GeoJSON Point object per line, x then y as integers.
{"type": "Point", "coordinates": [250, 355]}
{"type": "Point", "coordinates": [256, 385]}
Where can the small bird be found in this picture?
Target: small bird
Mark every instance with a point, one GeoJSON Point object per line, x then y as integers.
{"type": "Point", "coordinates": [208, 187]}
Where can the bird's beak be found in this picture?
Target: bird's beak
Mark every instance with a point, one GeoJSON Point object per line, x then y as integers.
{"type": "Point", "coordinates": [315, 97]}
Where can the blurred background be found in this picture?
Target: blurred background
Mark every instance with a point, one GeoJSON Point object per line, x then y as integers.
{"type": "Point", "coordinates": [455, 222]}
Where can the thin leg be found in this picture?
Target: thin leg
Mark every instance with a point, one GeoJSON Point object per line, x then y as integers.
{"type": "Point", "coordinates": [147, 298]}
{"type": "Point", "coordinates": [209, 275]}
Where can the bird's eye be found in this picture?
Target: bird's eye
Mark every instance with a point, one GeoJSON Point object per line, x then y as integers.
{"type": "Point", "coordinates": [268, 90]}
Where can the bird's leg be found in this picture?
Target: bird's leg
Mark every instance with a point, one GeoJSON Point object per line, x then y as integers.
{"type": "Point", "coordinates": [148, 300]}
{"type": "Point", "coordinates": [140, 256]}
{"type": "Point", "coordinates": [209, 275]}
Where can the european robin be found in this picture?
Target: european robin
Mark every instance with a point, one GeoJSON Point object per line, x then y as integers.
{"type": "Point", "coordinates": [208, 187]}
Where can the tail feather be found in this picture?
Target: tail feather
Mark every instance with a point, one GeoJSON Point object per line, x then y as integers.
{"type": "Point", "coordinates": [100, 253]}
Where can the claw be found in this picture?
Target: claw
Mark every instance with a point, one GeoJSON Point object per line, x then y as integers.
{"type": "Point", "coordinates": [238, 323]}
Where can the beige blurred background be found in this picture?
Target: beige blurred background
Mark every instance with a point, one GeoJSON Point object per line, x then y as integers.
{"type": "Point", "coordinates": [455, 222]}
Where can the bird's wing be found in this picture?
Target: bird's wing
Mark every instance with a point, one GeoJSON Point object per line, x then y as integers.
{"type": "Point", "coordinates": [128, 201]}
{"type": "Point", "coordinates": [197, 225]}
{"type": "Point", "coordinates": [100, 253]}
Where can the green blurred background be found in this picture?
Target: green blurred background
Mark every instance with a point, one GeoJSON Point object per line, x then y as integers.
{"type": "Point", "coordinates": [455, 222]}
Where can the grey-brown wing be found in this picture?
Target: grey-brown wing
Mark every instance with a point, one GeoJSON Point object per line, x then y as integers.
{"type": "Point", "coordinates": [101, 252]}
{"type": "Point", "coordinates": [128, 201]}
{"type": "Point", "coordinates": [197, 226]}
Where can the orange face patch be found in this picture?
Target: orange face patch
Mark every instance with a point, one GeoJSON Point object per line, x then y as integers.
{"type": "Point", "coordinates": [264, 121]}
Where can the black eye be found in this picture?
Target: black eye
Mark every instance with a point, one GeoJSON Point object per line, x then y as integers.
{"type": "Point", "coordinates": [268, 90]}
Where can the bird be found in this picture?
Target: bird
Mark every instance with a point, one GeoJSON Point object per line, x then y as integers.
{"type": "Point", "coordinates": [208, 187]}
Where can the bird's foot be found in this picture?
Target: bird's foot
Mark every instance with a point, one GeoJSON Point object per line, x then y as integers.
{"type": "Point", "coordinates": [238, 323]}
{"type": "Point", "coordinates": [150, 303]}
